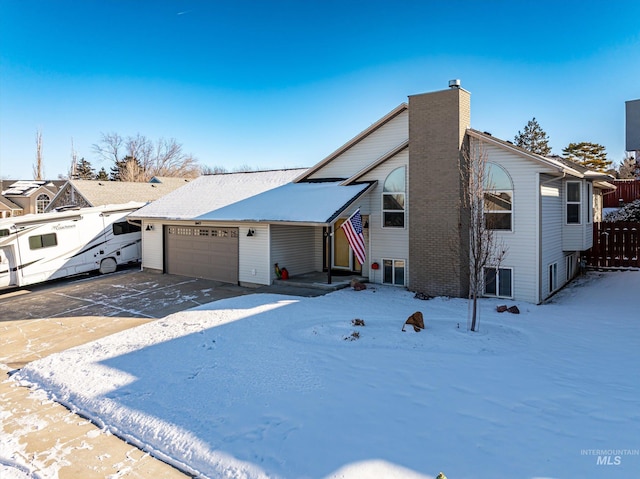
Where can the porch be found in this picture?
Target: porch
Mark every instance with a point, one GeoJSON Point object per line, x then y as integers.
{"type": "Point", "coordinates": [319, 280]}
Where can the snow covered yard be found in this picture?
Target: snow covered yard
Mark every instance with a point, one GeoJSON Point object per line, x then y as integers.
{"type": "Point", "coordinates": [279, 386]}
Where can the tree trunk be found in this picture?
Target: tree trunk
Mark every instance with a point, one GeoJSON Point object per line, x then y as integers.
{"type": "Point", "coordinates": [474, 312]}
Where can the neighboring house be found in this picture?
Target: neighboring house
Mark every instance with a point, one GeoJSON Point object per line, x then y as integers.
{"type": "Point", "coordinates": [88, 193]}
{"type": "Point", "coordinates": [8, 208]}
{"type": "Point", "coordinates": [404, 174]}
{"type": "Point", "coordinates": [25, 197]}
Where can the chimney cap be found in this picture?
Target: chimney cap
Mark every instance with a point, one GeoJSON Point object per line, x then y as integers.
{"type": "Point", "coordinates": [454, 83]}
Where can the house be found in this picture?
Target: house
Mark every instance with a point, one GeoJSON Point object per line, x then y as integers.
{"type": "Point", "coordinates": [403, 174]}
{"type": "Point", "coordinates": [88, 193]}
{"type": "Point", "coordinates": [177, 242]}
{"type": "Point", "coordinates": [25, 197]}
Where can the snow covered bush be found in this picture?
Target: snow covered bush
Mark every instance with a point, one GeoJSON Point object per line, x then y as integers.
{"type": "Point", "coordinates": [629, 212]}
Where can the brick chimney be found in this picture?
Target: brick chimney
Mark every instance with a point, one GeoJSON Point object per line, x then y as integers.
{"type": "Point", "coordinates": [438, 226]}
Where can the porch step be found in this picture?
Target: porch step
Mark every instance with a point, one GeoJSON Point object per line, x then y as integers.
{"type": "Point", "coordinates": [319, 281]}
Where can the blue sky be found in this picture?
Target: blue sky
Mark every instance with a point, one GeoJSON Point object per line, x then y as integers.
{"type": "Point", "coordinates": [284, 83]}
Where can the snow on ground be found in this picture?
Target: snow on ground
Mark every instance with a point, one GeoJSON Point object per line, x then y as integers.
{"type": "Point", "coordinates": [279, 386]}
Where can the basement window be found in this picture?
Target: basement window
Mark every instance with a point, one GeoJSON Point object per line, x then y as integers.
{"type": "Point", "coordinates": [393, 271]}
{"type": "Point", "coordinates": [498, 282]}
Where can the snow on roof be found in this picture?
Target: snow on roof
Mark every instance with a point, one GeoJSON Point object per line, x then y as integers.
{"type": "Point", "coordinates": [211, 192]}
{"type": "Point", "coordinates": [293, 202]}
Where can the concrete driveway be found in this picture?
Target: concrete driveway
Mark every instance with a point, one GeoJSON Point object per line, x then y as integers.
{"type": "Point", "coordinates": [128, 293]}
{"type": "Point", "coordinates": [40, 320]}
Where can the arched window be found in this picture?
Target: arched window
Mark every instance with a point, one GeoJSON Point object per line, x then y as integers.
{"type": "Point", "coordinates": [393, 199]}
{"type": "Point", "coordinates": [42, 201]}
{"type": "Point", "coordinates": [498, 198]}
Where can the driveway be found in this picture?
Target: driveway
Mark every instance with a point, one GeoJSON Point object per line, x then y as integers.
{"type": "Point", "coordinates": [128, 293]}
{"type": "Point", "coordinates": [39, 320]}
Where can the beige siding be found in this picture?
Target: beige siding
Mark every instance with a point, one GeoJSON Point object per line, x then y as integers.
{"type": "Point", "coordinates": [551, 234]}
{"type": "Point", "coordinates": [254, 266]}
{"type": "Point", "coordinates": [368, 150]}
{"type": "Point", "coordinates": [152, 244]}
{"type": "Point", "coordinates": [293, 247]}
{"type": "Point", "coordinates": [578, 237]}
{"type": "Point", "coordinates": [521, 243]}
{"type": "Point", "coordinates": [392, 243]}
{"type": "Point", "coordinates": [318, 246]}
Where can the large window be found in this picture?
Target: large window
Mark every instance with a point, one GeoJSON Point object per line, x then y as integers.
{"type": "Point", "coordinates": [573, 202]}
{"type": "Point", "coordinates": [498, 198]}
{"type": "Point", "coordinates": [43, 241]}
{"type": "Point", "coordinates": [393, 271]}
{"type": "Point", "coordinates": [498, 282]}
{"type": "Point", "coordinates": [42, 201]}
{"type": "Point", "coordinates": [393, 199]}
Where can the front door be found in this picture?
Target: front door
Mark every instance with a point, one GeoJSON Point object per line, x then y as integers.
{"type": "Point", "coordinates": [343, 257]}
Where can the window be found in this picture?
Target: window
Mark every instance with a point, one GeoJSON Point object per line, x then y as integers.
{"type": "Point", "coordinates": [43, 241]}
{"type": "Point", "coordinates": [573, 202]}
{"type": "Point", "coordinates": [393, 199]}
{"type": "Point", "coordinates": [42, 201]}
{"type": "Point", "coordinates": [124, 227]}
{"type": "Point", "coordinates": [393, 271]}
{"type": "Point", "coordinates": [498, 282]}
{"type": "Point", "coordinates": [570, 264]}
{"type": "Point", "coordinates": [553, 277]}
{"type": "Point", "coordinates": [498, 198]}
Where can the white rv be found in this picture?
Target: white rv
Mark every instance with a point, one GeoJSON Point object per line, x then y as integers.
{"type": "Point", "coordinates": [40, 247]}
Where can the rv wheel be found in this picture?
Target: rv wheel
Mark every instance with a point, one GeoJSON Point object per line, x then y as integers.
{"type": "Point", "coordinates": [107, 265]}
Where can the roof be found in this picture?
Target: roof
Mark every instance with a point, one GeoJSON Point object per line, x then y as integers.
{"type": "Point", "coordinates": [28, 187]}
{"type": "Point", "coordinates": [170, 180]}
{"type": "Point", "coordinates": [116, 192]}
{"type": "Point", "coordinates": [553, 163]}
{"type": "Point", "coordinates": [355, 140]}
{"type": "Point", "coordinates": [8, 204]}
{"type": "Point", "coordinates": [312, 202]}
{"type": "Point", "coordinates": [210, 192]}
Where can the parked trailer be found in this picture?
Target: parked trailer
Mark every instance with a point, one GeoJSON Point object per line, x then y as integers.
{"type": "Point", "coordinates": [40, 247]}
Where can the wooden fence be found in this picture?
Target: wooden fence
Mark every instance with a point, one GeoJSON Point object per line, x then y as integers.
{"type": "Point", "coordinates": [626, 191]}
{"type": "Point", "coordinates": [615, 245]}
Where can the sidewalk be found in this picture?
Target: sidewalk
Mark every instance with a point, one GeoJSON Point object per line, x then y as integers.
{"type": "Point", "coordinates": [44, 436]}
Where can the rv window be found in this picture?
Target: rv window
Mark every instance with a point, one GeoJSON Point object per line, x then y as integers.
{"type": "Point", "coordinates": [123, 227]}
{"type": "Point", "coordinates": [4, 233]}
{"type": "Point", "coordinates": [43, 241]}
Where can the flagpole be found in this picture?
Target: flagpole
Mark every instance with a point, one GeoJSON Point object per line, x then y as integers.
{"type": "Point", "coordinates": [329, 254]}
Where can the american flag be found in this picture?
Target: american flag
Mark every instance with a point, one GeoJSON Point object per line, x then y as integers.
{"type": "Point", "coordinates": [352, 228]}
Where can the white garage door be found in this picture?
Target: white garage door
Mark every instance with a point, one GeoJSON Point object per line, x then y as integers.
{"type": "Point", "coordinates": [202, 252]}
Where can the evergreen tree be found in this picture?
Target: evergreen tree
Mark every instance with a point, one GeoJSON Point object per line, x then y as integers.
{"type": "Point", "coordinates": [533, 139]}
{"type": "Point", "coordinates": [84, 170]}
{"type": "Point", "coordinates": [116, 170]}
{"type": "Point", "coordinates": [591, 155]}
{"type": "Point", "coordinates": [629, 168]}
{"type": "Point", "coordinates": [102, 175]}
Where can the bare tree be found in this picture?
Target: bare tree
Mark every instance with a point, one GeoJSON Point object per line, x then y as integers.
{"type": "Point", "coordinates": [110, 148]}
{"type": "Point", "coordinates": [485, 249]}
{"type": "Point", "coordinates": [212, 170]}
{"type": "Point", "coordinates": [169, 160]}
{"type": "Point", "coordinates": [243, 169]}
{"type": "Point", "coordinates": [136, 158]}
{"type": "Point", "coordinates": [38, 168]}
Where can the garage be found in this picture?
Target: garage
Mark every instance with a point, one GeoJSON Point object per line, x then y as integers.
{"type": "Point", "coordinates": [202, 252]}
